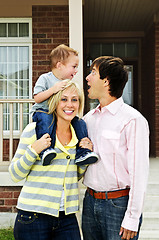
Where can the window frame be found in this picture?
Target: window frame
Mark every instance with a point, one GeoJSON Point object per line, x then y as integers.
{"type": "Point", "coordinates": [19, 42]}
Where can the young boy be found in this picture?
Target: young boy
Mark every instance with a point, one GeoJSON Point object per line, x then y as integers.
{"type": "Point", "coordinates": [64, 63]}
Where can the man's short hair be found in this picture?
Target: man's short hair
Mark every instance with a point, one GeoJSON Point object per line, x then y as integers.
{"type": "Point", "coordinates": [114, 70]}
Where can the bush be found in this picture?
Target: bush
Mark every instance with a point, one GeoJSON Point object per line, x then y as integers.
{"type": "Point", "coordinates": [6, 234]}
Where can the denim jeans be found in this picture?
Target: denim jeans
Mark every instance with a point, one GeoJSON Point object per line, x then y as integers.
{"type": "Point", "coordinates": [37, 226]}
{"type": "Point", "coordinates": [46, 124]}
{"type": "Point", "coordinates": [102, 218]}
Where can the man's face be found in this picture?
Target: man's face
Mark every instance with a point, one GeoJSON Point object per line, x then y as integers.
{"type": "Point", "coordinates": [95, 84]}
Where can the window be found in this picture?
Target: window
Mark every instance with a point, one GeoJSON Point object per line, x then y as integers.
{"type": "Point", "coordinates": [120, 49]}
{"type": "Point", "coordinates": [15, 67]}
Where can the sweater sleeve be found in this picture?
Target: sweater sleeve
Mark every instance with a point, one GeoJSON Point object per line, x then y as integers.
{"type": "Point", "coordinates": [25, 155]}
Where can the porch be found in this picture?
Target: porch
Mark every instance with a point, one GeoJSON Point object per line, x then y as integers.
{"type": "Point", "coordinates": [14, 114]}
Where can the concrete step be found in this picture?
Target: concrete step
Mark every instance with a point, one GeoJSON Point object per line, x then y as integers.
{"type": "Point", "coordinates": [150, 221]}
{"type": "Point", "coordinates": [153, 188]}
{"type": "Point", "coordinates": [151, 204]}
{"type": "Point", "coordinates": [149, 235]}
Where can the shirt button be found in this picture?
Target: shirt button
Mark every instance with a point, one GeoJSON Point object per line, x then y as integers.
{"type": "Point", "coordinates": [68, 157]}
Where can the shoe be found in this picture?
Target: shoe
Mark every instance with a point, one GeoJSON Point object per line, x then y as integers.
{"type": "Point", "coordinates": [89, 158]}
{"type": "Point", "coordinates": [48, 156]}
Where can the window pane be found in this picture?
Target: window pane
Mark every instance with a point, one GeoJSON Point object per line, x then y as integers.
{"type": "Point", "coordinates": [24, 54]}
{"type": "Point", "coordinates": [3, 89]}
{"type": "Point", "coordinates": [3, 71]}
{"type": "Point", "coordinates": [95, 50]}
{"type": "Point", "coordinates": [12, 54]}
{"type": "Point", "coordinates": [119, 49]}
{"type": "Point", "coordinates": [23, 29]}
{"type": "Point", "coordinates": [23, 89]}
{"type": "Point", "coordinates": [3, 54]}
{"type": "Point", "coordinates": [132, 50]}
{"type": "Point", "coordinates": [12, 30]}
{"type": "Point", "coordinates": [3, 30]}
{"type": "Point", "coordinates": [107, 49]}
{"type": "Point", "coordinates": [13, 71]}
{"type": "Point", "coordinates": [23, 71]}
{"type": "Point", "coordinates": [12, 89]}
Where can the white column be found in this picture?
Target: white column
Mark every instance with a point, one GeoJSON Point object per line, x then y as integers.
{"type": "Point", "coordinates": [76, 34]}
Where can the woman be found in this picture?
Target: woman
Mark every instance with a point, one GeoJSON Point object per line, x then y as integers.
{"type": "Point", "coordinates": [49, 198]}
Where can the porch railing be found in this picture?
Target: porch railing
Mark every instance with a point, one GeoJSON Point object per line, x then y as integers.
{"type": "Point", "coordinates": [10, 134]}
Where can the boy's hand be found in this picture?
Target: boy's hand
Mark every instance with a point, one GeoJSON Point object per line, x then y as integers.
{"type": "Point", "coordinates": [42, 143]}
{"type": "Point", "coordinates": [86, 143]}
{"type": "Point", "coordinates": [59, 86]}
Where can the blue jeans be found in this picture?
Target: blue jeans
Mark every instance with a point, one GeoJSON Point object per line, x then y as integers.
{"type": "Point", "coordinates": [102, 218]}
{"type": "Point", "coordinates": [37, 226]}
{"type": "Point", "coordinates": [45, 123]}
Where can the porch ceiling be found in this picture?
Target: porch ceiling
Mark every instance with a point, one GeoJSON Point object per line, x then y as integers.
{"type": "Point", "coordinates": [119, 15]}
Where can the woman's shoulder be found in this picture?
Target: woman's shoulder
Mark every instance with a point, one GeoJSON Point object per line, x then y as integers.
{"type": "Point", "coordinates": [29, 130]}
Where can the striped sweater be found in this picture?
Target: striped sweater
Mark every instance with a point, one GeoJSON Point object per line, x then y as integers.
{"type": "Point", "coordinates": [43, 187]}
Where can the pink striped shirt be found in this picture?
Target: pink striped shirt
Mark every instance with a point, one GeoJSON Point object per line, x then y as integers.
{"type": "Point", "coordinates": [120, 136]}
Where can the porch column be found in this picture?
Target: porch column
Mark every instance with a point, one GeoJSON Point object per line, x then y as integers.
{"type": "Point", "coordinates": [76, 34]}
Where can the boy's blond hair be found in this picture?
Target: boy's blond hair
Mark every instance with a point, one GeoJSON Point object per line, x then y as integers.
{"type": "Point", "coordinates": [60, 54]}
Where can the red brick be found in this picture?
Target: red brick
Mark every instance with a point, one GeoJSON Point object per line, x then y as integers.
{"type": "Point", "coordinates": [5, 195]}
{"type": "Point", "coordinates": [10, 202]}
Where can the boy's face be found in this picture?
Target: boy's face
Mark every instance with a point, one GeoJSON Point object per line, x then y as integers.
{"type": "Point", "coordinates": [70, 67]}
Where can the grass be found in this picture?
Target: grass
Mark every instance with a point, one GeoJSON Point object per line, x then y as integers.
{"type": "Point", "coordinates": [6, 234]}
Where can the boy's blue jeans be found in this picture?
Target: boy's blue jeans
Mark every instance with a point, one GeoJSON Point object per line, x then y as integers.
{"type": "Point", "coordinates": [102, 218]}
{"type": "Point", "coordinates": [38, 226]}
{"type": "Point", "coordinates": [45, 123]}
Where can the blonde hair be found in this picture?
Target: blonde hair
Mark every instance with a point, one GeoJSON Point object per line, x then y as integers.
{"type": "Point", "coordinates": [55, 99]}
{"type": "Point", "coordinates": [61, 54]}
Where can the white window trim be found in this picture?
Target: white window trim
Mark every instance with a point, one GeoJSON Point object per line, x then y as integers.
{"type": "Point", "coordinates": [5, 179]}
{"type": "Point", "coordinates": [24, 41]}
{"type": "Point", "coordinates": [17, 20]}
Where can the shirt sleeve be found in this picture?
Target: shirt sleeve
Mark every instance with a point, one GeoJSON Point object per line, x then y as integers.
{"type": "Point", "coordinates": [25, 155]}
{"type": "Point", "coordinates": [137, 136]}
{"type": "Point", "coordinates": [40, 85]}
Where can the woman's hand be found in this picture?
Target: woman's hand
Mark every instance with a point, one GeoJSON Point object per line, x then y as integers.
{"type": "Point", "coordinates": [86, 143]}
{"type": "Point", "coordinates": [42, 143]}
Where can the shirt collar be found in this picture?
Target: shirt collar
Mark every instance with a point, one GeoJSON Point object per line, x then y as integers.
{"type": "Point", "coordinates": [71, 144]}
{"type": "Point", "coordinates": [113, 107]}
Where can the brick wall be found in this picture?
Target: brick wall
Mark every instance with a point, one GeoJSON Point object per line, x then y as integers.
{"type": "Point", "coordinates": [148, 83]}
{"type": "Point", "coordinates": [157, 87]}
{"type": "Point", "coordinates": [8, 198]}
{"type": "Point", "coordinates": [50, 28]}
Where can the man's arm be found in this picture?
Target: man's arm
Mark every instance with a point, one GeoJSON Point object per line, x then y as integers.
{"type": "Point", "coordinates": [137, 137]}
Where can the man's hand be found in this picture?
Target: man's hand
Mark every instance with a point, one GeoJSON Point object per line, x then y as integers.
{"type": "Point", "coordinates": [127, 234]}
{"type": "Point", "coordinates": [42, 143]}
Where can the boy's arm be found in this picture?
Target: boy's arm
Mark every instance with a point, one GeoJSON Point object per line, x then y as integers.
{"type": "Point", "coordinates": [44, 95]}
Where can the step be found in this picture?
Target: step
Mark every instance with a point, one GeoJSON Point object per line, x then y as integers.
{"type": "Point", "coordinates": [153, 188]}
{"type": "Point", "coordinates": [149, 235]}
{"type": "Point", "coordinates": [150, 221]}
{"type": "Point", "coordinates": [151, 204]}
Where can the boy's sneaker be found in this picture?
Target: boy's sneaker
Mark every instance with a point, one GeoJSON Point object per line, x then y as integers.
{"type": "Point", "coordinates": [88, 158]}
{"type": "Point", "coordinates": [48, 156]}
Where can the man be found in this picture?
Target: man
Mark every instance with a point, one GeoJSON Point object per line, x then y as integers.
{"type": "Point", "coordinates": [116, 183]}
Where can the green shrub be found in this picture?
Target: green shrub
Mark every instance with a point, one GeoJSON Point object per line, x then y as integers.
{"type": "Point", "coordinates": [6, 234]}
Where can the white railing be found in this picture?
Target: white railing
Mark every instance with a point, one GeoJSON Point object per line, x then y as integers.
{"type": "Point", "coordinates": [10, 134]}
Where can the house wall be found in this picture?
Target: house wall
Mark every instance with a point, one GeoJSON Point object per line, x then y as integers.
{"type": "Point", "coordinates": [148, 83]}
{"type": "Point", "coordinates": [50, 28]}
{"type": "Point", "coordinates": [157, 88]}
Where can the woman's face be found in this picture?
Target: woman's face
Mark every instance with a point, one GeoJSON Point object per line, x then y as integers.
{"type": "Point", "coordinates": [68, 106]}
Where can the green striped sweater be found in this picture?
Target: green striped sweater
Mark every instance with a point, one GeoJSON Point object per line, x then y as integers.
{"type": "Point", "coordinates": [43, 187]}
